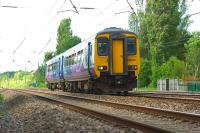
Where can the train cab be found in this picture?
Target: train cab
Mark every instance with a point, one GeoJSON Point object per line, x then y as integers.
{"type": "Point", "coordinates": [116, 60]}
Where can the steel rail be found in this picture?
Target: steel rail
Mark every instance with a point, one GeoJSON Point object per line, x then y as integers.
{"type": "Point", "coordinates": [149, 110]}
{"type": "Point", "coordinates": [2, 90]}
{"type": "Point", "coordinates": [100, 115]}
{"type": "Point", "coordinates": [188, 94]}
{"type": "Point", "coordinates": [180, 99]}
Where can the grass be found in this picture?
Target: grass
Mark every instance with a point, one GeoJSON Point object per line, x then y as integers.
{"type": "Point", "coordinates": [147, 89]}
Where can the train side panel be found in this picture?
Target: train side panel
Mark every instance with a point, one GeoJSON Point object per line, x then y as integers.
{"type": "Point", "coordinates": [75, 65]}
{"type": "Point", "coordinates": [53, 72]}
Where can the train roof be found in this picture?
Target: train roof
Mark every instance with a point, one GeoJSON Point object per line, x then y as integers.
{"type": "Point", "coordinates": [114, 30]}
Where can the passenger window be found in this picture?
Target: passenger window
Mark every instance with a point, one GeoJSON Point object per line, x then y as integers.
{"type": "Point", "coordinates": [70, 61]}
{"type": "Point", "coordinates": [90, 50]}
{"type": "Point", "coordinates": [103, 46]}
{"type": "Point", "coordinates": [65, 62]}
{"type": "Point", "coordinates": [49, 68]}
{"type": "Point", "coordinates": [131, 45]}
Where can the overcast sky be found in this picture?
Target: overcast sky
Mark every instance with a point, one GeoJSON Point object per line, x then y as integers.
{"type": "Point", "coordinates": [28, 31]}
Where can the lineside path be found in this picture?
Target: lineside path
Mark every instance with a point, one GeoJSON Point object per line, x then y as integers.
{"type": "Point", "coordinates": [165, 119]}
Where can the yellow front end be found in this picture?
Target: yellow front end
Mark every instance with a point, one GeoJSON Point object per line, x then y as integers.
{"type": "Point", "coordinates": [118, 54]}
{"type": "Point", "coordinates": [117, 60]}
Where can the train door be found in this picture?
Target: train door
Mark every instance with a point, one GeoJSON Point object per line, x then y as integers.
{"type": "Point", "coordinates": [118, 56]}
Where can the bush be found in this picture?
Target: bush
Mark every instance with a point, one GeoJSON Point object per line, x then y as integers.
{"type": "Point", "coordinates": [173, 68]}
{"type": "Point", "coordinates": [145, 73]}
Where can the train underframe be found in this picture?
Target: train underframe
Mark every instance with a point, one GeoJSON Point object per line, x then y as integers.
{"type": "Point", "coordinates": [103, 85]}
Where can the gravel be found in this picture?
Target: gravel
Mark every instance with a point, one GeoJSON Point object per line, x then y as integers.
{"type": "Point", "coordinates": [26, 114]}
{"type": "Point", "coordinates": [190, 107]}
{"type": "Point", "coordinates": [169, 123]}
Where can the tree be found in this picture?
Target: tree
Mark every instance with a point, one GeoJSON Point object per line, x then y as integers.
{"type": "Point", "coordinates": [193, 55]}
{"type": "Point", "coordinates": [48, 55]}
{"type": "Point", "coordinates": [163, 32]}
{"type": "Point", "coordinates": [133, 23]}
{"type": "Point", "coordinates": [162, 26]}
{"type": "Point", "coordinates": [65, 39]}
{"type": "Point", "coordinates": [145, 73]}
{"type": "Point", "coordinates": [173, 68]}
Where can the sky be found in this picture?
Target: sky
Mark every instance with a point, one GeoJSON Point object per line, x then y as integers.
{"type": "Point", "coordinates": [30, 30]}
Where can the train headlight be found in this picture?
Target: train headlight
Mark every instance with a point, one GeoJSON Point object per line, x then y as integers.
{"type": "Point", "coordinates": [102, 67]}
{"type": "Point", "coordinates": [132, 67]}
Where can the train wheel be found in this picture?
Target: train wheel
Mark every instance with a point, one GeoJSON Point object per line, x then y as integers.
{"type": "Point", "coordinates": [52, 87]}
{"type": "Point", "coordinates": [119, 93]}
{"type": "Point", "coordinates": [98, 91]}
{"type": "Point", "coordinates": [62, 86]}
{"type": "Point", "coordinates": [125, 93]}
{"type": "Point", "coordinates": [49, 86]}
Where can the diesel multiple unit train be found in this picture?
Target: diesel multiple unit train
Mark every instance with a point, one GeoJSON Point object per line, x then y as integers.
{"type": "Point", "coordinates": [107, 63]}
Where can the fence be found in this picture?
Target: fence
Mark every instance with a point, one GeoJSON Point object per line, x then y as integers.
{"type": "Point", "coordinates": [168, 85]}
{"type": "Point", "coordinates": [177, 85]}
{"type": "Point", "coordinates": [194, 86]}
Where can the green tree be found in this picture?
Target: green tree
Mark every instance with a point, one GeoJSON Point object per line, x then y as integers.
{"type": "Point", "coordinates": [65, 39]}
{"type": "Point", "coordinates": [162, 26]}
{"type": "Point", "coordinates": [133, 23]}
{"type": "Point", "coordinates": [193, 55]}
{"type": "Point", "coordinates": [173, 68]}
{"type": "Point", "coordinates": [39, 76]}
{"type": "Point", "coordinates": [163, 32]}
{"type": "Point", "coordinates": [48, 55]}
{"type": "Point", "coordinates": [145, 73]}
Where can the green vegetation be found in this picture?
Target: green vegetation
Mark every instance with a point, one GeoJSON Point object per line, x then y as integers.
{"type": "Point", "coordinates": [168, 50]}
{"type": "Point", "coordinates": [145, 74]}
{"type": "Point", "coordinates": [65, 38]}
{"type": "Point", "coordinates": [21, 79]}
{"type": "Point", "coordinates": [1, 98]}
{"type": "Point", "coordinates": [193, 55]}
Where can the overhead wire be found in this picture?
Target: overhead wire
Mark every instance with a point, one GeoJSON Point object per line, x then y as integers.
{"type": "Point", "coordinates": [193, 14]}
{"type": "Point", "coordinates": [19, 46]}
{"type": "Point", "coordinates": [130, 6]}
{"type": "Point", "coordinates": [108, 6]}
{"type": "Point", "coordinates": [44, 46]}
{"type": "Point", "coordinates": [53, 5]}
{"type": "Point", "coordinates": [74, 7]}
{"type": "Point", "coordinates": [9, 6]}
{"type": "Point", "coordinates": [57, 11]}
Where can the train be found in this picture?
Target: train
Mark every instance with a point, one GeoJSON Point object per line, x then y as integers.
{"type": "Point", "coordinates": [109, 62]}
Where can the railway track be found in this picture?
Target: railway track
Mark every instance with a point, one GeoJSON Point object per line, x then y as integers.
{"type": "Point", "coordinates": [183, 116]}
{"type": "Point", "coordinates": [97, 114]}
{"type": "Point", "coordinates": [169, 96]}
{"type": "Point", "coordinates": [2, 90]}
{"type": "Point", "coordinates": [166, 93]}
{"type": "Point", "coordinates": [150, 110]}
